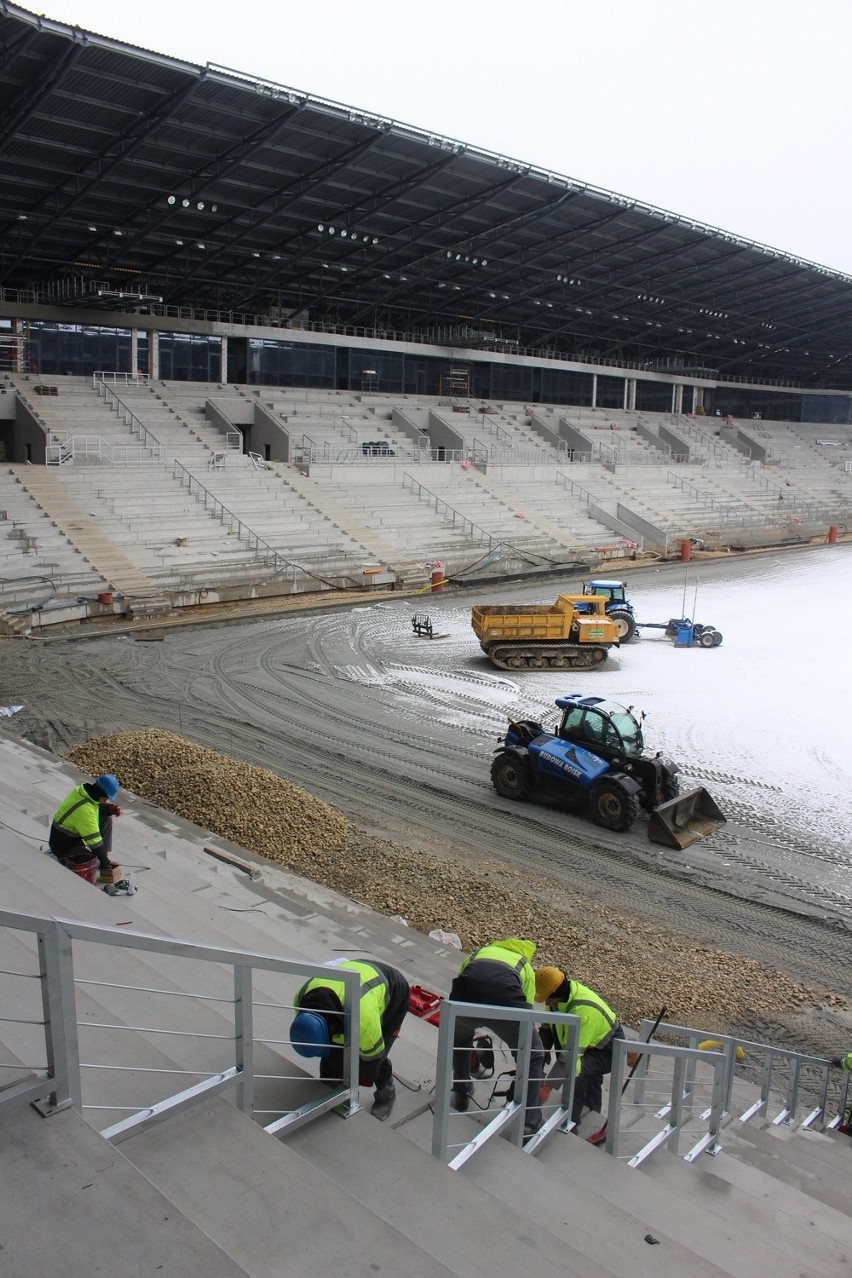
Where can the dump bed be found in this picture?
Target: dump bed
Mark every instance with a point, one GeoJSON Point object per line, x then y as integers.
{"type": "Point", "coordinates": [537, 621]}
{"type": "Point", "coordinates": [559, 621]}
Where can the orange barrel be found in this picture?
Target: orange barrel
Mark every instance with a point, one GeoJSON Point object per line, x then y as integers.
{"type": "Point", "coordinates": [685, 550]}
{"type": "Point", "coordinates": [832, 534]}
{"type": "Point", "coordinates": [437, 579]}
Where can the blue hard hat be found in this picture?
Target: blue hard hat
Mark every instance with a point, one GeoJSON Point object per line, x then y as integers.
{"type": "Point", "coordinates": [109, 784]}
{"type": "Point", "coordinates": [309, 1035]}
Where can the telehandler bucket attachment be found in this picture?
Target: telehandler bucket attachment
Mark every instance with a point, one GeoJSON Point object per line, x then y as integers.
{"type": "Point", "coordinates": [684, 820]}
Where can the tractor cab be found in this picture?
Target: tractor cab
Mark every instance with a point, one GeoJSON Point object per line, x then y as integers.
{"type": "Point", "coordinates": [604, 727]}
{"type": "Point", "coordinates": [613, 591]}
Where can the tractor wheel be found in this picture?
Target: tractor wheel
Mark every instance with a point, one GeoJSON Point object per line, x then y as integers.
{"type": "Point", "coordinates": [511, 777]}
{"type": "Point", "coordinates": [612, 807]}
{"type": "Point", "coordinates": [626, 623]}
{"type": "Point", "coordinates": [670, 787]}
{"type": "Point", "coordinates": [707, 638]}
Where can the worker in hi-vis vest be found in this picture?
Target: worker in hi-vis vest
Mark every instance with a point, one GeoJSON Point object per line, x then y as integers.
{"type": "Point", "coordinates": [81, 829]}
{"type": "Point", "coordinates": [317, 1029]}
{"type": "Point", "coordinates": [599, 1026]}
{"type": "Point", "coordinates": [501, 974]}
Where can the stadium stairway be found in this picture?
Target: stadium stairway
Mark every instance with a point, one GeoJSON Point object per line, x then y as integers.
{"type": "Point", "coordinates": [208, 1191]}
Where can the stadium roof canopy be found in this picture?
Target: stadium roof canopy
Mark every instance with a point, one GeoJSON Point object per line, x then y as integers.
{"type": "Point", "coordinates": [209, 188]}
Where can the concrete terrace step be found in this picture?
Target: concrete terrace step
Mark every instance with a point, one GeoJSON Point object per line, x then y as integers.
{"type": "Point", "coordinates": [99, 550]}
{"type": "Point", "coordinates": [273, 1211]}
{"type": "Point", "coordinates": [73, 1204]}
{"type": "Point", "coordinates": [434, 1206]}
{"type": "Point", "coordinates": [613, 1232]}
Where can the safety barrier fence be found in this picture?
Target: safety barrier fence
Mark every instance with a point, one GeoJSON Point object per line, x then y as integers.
{"type": "Point", "coordinates": [74, 1044]}
{"type": "Point", "coordinates": [679, 1090]}
{"type": "Point", "coordinates": [92, 449]}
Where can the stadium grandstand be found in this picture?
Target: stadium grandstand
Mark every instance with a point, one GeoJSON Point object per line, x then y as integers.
{"type": "Point", "coordinates": [335, 346]}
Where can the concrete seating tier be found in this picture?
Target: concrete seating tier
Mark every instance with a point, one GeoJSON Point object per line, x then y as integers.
{"type": "Point", "coordinates": [159, 525]}
{"type": "Point", "coordinates": [32, 545]}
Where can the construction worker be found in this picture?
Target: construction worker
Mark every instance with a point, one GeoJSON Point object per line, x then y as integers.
{"type": "Point", "coordinates": [81, 828]}
{"type": "Point", "coordinates": [500, 974]}
{"type": "Point", "coordinates": [317, 1030]}
{"type": "Point", "coordinates": [844, 1062]}
{"type": "Point", "coordinates": [599, 1025]}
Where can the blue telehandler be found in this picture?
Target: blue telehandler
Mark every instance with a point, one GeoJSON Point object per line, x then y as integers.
{"type": "Point", "coordinates": [595, 762]}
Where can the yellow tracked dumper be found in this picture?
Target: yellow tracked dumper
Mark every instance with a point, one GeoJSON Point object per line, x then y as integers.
{"type": "Point", "coordinates": [572, 634]}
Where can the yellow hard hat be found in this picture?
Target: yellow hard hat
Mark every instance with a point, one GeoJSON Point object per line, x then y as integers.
{"type": "Point", "coordinates": [547, 982]}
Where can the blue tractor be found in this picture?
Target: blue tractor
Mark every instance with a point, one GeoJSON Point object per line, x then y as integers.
{"type": "Point", "coordinates": [618, 607]}
{"type": "Point", "coordinates": [595, 761]}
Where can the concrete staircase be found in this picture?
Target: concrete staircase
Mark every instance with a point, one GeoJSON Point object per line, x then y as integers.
{"type": "Point", "coordinates": [209, 1191]}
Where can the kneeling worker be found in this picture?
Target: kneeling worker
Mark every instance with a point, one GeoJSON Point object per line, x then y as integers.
{"type": "Point", "coordinates": [82, 824]}
{"type": "Point", "coordinates": [599, 1025]}
{"type": "Point", "coordinates": [500, 974]}
{"type": "Point", "coordinates": [317, 1030]}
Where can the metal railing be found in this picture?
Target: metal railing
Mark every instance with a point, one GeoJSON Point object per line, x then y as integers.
{"type": "Point", "coordinates": [61, 1078]}
{"type": "Point", "coordinates": [804, 1081]}
{"type": "Point", "coordinates": [120, 379]}
{"type": "Point", "coordinates": [91, 448]}
{"type": "Point", "coordinates": [505, 1119]}
{"type": "Point", "coordinates": [454, 517]}
{"type": "Point", "coordinates": [281, 566]}
{"type": "Point", "coordinates": [100, 384]}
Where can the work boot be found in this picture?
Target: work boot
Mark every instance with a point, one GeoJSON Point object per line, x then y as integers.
{"type": "Point", "coordinates": [383, 1102]}
{"type": "Point", "coordinates": [460, 1097]}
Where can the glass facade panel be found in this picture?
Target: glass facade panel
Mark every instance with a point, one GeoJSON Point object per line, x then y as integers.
{"type": "Point", "coordinates": [653, 397]}
{"type": "Point", "coordinates": [291, 364]}
{"type": "Point", "coordinates": [78, 349]}
{"type": "Point", "coordinates": [610, 392]}
{"type": "Point", "coordinates": [190, 357]}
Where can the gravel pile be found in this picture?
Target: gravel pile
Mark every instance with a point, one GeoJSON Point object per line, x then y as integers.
{"type": "Point", "coordinates": [249, 805]}
{"type": "Point", "coordinates": [638, 967]}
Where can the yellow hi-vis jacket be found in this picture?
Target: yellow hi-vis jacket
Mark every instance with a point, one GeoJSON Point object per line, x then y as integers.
{"type": "Point", "coordinates": [374, 1000]}
{"type": "Point", "coordinates": [78, 816]}
{"type": "Point", "coordinates": [516, 954]}
{"type": "Point", "coordinates": [597, 1020]}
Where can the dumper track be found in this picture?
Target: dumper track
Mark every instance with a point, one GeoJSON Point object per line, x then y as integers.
{"type": "Point", "coordinates": [546, 656]}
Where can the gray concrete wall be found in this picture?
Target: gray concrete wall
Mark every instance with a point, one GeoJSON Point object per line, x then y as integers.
{"type": "Point", "coordinates": [637, 528]}
{"type": "Point", "coordinates": [29, 439]}
{"type": "Point", "coordinates": [679, 446]}
{"type": "Point", "coordinates": [441, 435]}
{"type": "Point", "coordinates": [574, 438]}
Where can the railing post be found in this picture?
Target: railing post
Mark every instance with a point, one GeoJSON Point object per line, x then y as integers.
{"type": "Point", "coordinates": [56, 968]}
{"type": "Point", "coordinates": [244, 1037]}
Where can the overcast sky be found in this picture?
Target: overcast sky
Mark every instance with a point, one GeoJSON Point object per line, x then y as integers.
{"type": "Point", "coordinates": [733, 112]}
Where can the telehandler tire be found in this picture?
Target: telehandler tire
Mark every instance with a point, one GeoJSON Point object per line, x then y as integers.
{"type": "Point", "coordinates": [511, 777]}
{"type": "Point", "coordinates": [612, 808]}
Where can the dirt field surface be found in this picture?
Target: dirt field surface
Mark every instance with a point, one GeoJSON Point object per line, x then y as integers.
{"type": "Point", "coordinates": [342, 703]}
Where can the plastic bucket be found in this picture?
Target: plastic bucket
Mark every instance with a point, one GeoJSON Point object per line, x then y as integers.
{"type": "Point", "coordinates": [86, 867]}
{"type": "Point", "coordinates": [105, 597]}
